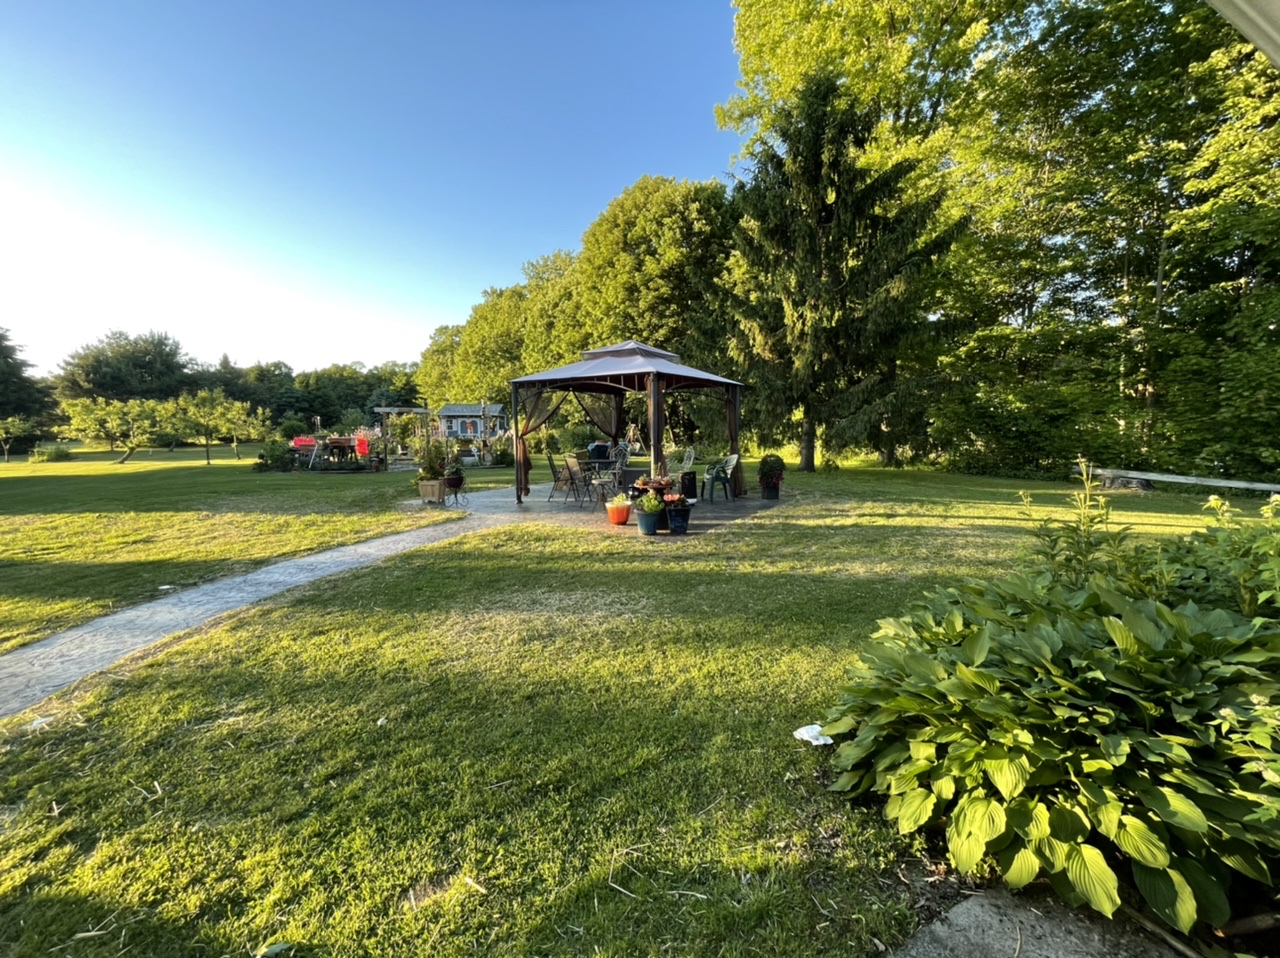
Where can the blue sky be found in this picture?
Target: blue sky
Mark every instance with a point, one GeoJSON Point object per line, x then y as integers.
{"type": "Point", "coordinates": [320, 182]}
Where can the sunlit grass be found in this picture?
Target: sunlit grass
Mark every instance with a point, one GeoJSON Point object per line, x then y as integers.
{"type": "Point", "coordinates": [531, 741]}
{"type": "Point", "coordinates": [81, 538]}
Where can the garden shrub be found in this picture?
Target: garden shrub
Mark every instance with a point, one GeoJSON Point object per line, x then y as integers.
{"type": "Point", "coordinates": [1232, 564]}
{"type": "Point", "coordinates": [275, 456]}
{"type": "Point", "coordinates": [1068, 722]}
{"type": "Point", "coordinates": [54, 453]}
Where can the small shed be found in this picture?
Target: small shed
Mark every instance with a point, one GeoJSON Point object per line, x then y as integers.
{"type": "Point", "coordinates": [599, 382]}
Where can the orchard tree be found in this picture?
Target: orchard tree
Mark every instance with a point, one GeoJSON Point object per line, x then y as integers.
{"type": "Point", "coordinates": [129, 424]}
{"type": "Point", "coordinates": [843, 257]}
{"type": "Point", "coordinates": [14, 427]}
{"type": "Point", "coordinates": [208, 415]}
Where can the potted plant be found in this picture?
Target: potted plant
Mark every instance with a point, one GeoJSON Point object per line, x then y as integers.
{"type": "Point", "coordinates": [649, 510]}
{"type": "Point", "coordinates": [677, 513]}
{"type": "Point", "coordinates": [619, 509]}
{"type": "Point", "coordinates": [770, 475]}
{"type": "Point", "coordinates": [430, 477]}
{"type": "Point", "coordinates": [453, 475]}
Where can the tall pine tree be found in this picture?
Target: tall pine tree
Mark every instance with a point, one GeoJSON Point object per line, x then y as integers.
{"type": "Point", "coordinates": [833, 258]}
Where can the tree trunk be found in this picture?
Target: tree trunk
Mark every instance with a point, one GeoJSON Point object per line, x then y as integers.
{"type": "Point", "coordinates": [207, 461]}
{"type": "Point", "coordinates": [808, 441]}
{"type": "Point", "coordinates": [6, 452]}
{"type": "Point", "coordinates": [125, 458]}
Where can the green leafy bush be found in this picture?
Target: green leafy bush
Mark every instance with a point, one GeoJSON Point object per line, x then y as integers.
{"type": "Point", "coordinates": [276, 456]}
{"type": "Point", "coordinates": [55, 453]}
{"type": "Point", "coordinates": [1062, 721]}
{"type": "Point", "coordinates": [1233, 564]}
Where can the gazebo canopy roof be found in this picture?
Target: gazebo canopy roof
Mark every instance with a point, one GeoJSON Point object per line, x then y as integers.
{"type": "Point", "coordinates": [622, 367]}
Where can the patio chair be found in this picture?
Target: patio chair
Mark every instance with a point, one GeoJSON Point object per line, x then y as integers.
{"type": "Point", "coordinates": [605, 485]}
{"type": "Point", "coordinates": [560, 479]}
{"type": "Point", "coordinates": [687, 462]}
{"type": "Point", "coordinates": [720, 472]}
{"type": "Point", "coordinates": [577, 481]}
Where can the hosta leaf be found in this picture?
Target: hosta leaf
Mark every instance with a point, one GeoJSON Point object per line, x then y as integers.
{"type": "Point", "coordinates": [840, 725]}
{"type": "Point", "coordinates": [1174, 808]}
{"type": "Point", "coordinates": [1068, 824]}
{"type": "Point", "coordinates": [889, 755]}
{"type": "Point", "coordinates": [1008, 773]}
{"type": "Point", "coordinates": [944, 786]}
{"type": "Point", "coordinates": [923, 667]}
{"type": "Point", "coordinates": [954, 621]}
{"type": "Point", "coordinates": [1121, 636]}
{"type": "Point", "coordinates": [849, 754]}
{"type": "Point", "coordinates": [846, 781]}
{"type": "Point", "coordinates": [984, 680]}
{"type": "Point", "coordinates": [1245, 860]}
{"type": "Point", "coordinates": [1168, 894]}
{"type": "Point", "coordinates": [923, 751]}
{"type": "Point", "coordinates": [961, 690]}
{"type": "Point", "coordinates": [1094, 792]}
{"type": "Point", "coordinates": [1211, 897]}
{"type": "Point", "coordinates": [1093, 878]}
{"type": "Point", "coordinates": [904, 778]}
{"type": "Point", "coordinates": [1143, 629]}
{"type": "Point", "coordinates": [965, 851]}
{"type": "Point", "coordinates": [915, 810]}
{"type": "Point", "coordinates": [1052, 852]}
{"type": "Point", "coordinates": [976, 647]}
{"type": "Point", "coordinates": [1115, 748]}
{"type": "Point", "coordinates": [1066, 891]}
{"type": "Point", "coordinates": [1106, 818]}
{"type": "Point", "coordinates": [982, 817]}
{"type": "Point", "coordinates": [1139, 842]}
{"type": "Point", "coordinates": [1019, 865]}
{"type": "Point", "coordinates": [1028, 817]}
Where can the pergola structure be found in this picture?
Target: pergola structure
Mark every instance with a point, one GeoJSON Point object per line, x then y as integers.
{"type": "Point", "coordinates": [599, 382]}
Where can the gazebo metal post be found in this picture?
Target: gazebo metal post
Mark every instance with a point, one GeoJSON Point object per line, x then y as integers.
{"type": "Point", "coordinates": [655, 423]}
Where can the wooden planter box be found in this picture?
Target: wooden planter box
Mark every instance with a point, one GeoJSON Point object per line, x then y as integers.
{"type": "Point", "coordinates": [431, 490]}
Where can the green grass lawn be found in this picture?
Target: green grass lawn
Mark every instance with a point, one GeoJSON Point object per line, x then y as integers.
{"type": "Point", "coordinates": [81, 538]}
{"type": "Point", "coordinates": [530, 741]}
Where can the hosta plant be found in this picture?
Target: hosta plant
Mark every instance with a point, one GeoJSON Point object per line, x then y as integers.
{"type": "Point", "coordinates": [1071, 730]}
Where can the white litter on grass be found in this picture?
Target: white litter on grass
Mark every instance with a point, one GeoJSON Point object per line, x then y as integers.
{"type": "Point", "coordinates": [813, 735]}
{"type": "Point", "coordinates": [382, 721]}
{"type": "Point", "coordinates": [43, 720]}
{"type": "Point", "coordinates": [165, 588]}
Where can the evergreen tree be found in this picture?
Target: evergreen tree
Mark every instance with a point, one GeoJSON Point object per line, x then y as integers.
{"type": "Point", "coordinates": [832, 241]}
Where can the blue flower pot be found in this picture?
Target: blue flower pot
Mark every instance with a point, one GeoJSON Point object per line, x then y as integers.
{"type": "Point", "coordinates": [648, 522]}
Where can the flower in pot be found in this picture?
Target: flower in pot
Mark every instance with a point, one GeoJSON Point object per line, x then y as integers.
{"type": "Point", "coordinates": [649, 511]}
{"type": "Point", "coordinates": [770, 475]}
{"type": "Point", "coordinates": [677, 513]}
{"type": "Point", "coordinates": [453, 476]}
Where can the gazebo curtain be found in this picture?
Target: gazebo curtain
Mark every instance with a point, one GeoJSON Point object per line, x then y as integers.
{"type": "Point", "coordinates": [538, 406]}
{"type": "Point", "coordinates": [604, 411]}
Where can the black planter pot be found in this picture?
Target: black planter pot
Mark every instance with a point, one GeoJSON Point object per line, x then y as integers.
{"type": "Point", "coordinates": [679, 519]}
{"type": "Point", "coordinates": [769, 492]}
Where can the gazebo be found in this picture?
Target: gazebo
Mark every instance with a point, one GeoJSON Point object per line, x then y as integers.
{"type": "Point", "coordinates": [599, 382]}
